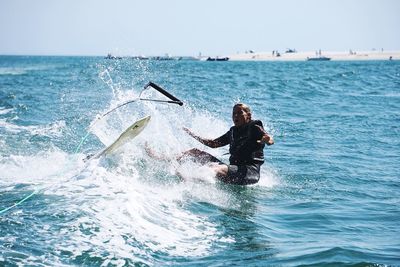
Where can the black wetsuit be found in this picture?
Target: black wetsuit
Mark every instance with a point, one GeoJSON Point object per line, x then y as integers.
{"type": "Point", "coordinates": [247, 155]}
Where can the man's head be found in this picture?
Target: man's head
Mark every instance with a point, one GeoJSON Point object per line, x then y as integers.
{"type": "Point", "coordinates": [241, 114]}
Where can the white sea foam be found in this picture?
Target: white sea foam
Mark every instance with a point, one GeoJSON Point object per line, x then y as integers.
{"type": "Point", "coordinates": [268, 176]}
{"type": "Point", "coordinates": [12, 71]}
{"type": "Point", "coordinates": [129, 200]}
{"type": "Point", "coordinates": [5, 110]}
{"type": "Point", "coordinates": [24, 70]}
{"type": "Point", "coordinates": [35, 169]}
{"type": "Point", "coordinates": [51, 130]}
{"type": "Point", "coordinates": [126, 199]}
{"type": "Point", "coordinates": [123, 210]}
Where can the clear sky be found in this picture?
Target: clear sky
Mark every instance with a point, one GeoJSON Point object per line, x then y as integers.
{"type": "Point", "coordinates": [187, 27]}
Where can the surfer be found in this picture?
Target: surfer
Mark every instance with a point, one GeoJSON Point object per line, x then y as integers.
{"type": "Point", "coordinates": [247, 139]}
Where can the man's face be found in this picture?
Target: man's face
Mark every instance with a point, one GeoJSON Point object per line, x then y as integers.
{"type": "Point", "coordinates": [239, 116]}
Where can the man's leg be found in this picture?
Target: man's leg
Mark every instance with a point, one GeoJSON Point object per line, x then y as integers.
{"type": "Point", "coordinates": [198, 156]}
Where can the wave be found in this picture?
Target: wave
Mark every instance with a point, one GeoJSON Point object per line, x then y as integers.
{"type": "Point", "coordinates": [23, 70]}
{"type": "Point", "coordinates": [339, 256]}
{"type": "Point", "coordinates": [12, 71]}
{"type": "Point", "coordinates": [118, 211]}
{"type": "Point", "coordinates": [126, 207]}
{"type": "Point", "coordinates": [51, 130]}
{"type": "Point", "coordinates": [4, 111]}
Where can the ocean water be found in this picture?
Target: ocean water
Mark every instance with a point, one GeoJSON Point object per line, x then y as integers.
{"type": "Point", "coordinates": [329, 193]}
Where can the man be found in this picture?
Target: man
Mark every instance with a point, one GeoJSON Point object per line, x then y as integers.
{"type": "Point", "coordinates": [246, 138]}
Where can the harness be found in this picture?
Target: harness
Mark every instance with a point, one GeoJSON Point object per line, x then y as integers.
{"type": "Point", "coordinates": [245, 149]}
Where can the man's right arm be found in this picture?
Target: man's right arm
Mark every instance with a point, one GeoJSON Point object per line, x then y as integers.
{"type": "Point", "coordinates": [220, 141]}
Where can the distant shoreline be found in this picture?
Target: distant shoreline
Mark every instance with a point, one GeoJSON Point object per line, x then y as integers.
{"type": "Point", "coordinates": [259, 56]}
{"type": "Point", "coordinates": [303, 56]}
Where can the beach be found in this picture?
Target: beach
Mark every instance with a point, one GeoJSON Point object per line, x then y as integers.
{"type": "Point", "coordinates": [304, 55]}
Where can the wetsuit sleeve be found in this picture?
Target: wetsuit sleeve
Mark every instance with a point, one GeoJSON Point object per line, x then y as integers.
{"type": "Point", "coordinates": [223, 140]}
{"type": "Point", "coordinates": [258, 132]}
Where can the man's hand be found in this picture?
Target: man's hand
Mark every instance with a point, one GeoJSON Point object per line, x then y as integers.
{"type": "Point", "coordinates": [189, 132]}
{"type": "Point", "coordinates": [265, 139]}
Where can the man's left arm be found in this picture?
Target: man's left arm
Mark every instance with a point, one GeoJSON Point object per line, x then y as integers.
{"type": "Point", "coordinates": [265, 137]}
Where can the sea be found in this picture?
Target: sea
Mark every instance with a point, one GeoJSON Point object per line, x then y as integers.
{"type": "Point", "coordinates": [329, 192]}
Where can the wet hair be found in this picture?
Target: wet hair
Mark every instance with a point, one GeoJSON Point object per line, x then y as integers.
{"type": "Point", "coordinates": [245, 107]}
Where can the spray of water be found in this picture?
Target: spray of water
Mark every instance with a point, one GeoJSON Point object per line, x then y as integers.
{"type": "Point", "coordinates": [129, 204]}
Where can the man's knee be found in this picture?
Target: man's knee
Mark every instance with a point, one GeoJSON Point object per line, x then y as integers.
{"type": "Point", "coordinates": [220, 170]}
{"type": "Point", "coordinates": [192, 152]}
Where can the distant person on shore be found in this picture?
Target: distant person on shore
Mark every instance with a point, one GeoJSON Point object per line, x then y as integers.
{"type": "Point", "coordinates": [246, 138]}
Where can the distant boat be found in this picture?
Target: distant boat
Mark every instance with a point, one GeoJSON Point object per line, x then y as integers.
{"type": "Point", "coordinates": [109, 56]}
{"type": "Point", "coordinates": [217, 59]}
{"type": "Point", "coordinates": [163, 58]}
{"type": "Point", "coordinates": [318, 58]}
{"type": "Point", "coordinates": [140, 57]}
{"type": "Point", "coordinates": [156, 58]}
{"type": "Point", "coordinates": [289, 50]}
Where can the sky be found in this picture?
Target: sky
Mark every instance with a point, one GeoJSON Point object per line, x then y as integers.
{"type": "Point", "coordinates": [190, 27]}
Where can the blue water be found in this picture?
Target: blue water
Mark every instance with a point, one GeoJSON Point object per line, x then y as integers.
{"type": "Point", "coordinates": [329, 192]}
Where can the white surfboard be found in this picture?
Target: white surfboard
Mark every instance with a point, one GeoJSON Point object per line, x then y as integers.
{"type": "Point", "coordinates": [130, 133]}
